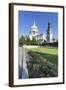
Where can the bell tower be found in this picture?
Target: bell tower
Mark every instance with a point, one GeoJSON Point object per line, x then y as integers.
{"type": "Point", "coordinates": [49, 33]}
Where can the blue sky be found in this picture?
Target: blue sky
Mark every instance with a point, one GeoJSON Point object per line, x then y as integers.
{"type": "Point", "coordinates": [26, 20]}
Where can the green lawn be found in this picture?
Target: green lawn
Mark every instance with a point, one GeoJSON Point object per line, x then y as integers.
{"type": "Point", "coordinates": [47, 50]}
{"type": "Point", "coordinates": [43, 62]}
{"type": "Point", "coordinates": [48, 53]}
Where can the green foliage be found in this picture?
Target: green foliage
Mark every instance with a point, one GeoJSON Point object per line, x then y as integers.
{"type": "Point", "coordinates": [26, 40]}
{"type": "Point", "coordinates": [52, 44]}
{"type": "Point", "coordinates": [38, 66]}
{"type": "Point", "coordinates": [34, 42]}
{"type": "Point", "coordinates": [21, 40]}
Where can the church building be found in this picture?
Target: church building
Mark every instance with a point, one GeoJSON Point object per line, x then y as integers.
{"type": "Point", "coordinates": [42, 37]}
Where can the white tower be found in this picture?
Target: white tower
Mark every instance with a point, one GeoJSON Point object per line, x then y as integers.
{"type": "Point", "coordinates": [33, 32]}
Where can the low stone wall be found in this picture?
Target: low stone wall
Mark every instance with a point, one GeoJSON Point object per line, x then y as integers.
{"type": "Point", "coordinates": [30, 46]}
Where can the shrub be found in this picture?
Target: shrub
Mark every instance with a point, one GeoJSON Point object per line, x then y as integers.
{"type": "Point", "coordinates": [40, 67]}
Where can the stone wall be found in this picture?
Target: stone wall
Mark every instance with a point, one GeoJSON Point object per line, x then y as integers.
{"type": "Point", "coordinates": [30, 46]}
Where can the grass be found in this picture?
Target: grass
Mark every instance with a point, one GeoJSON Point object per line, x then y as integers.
{"type": "Point", "coordinates": [47, 53]}
{"type": "Point", "coordinates": [47, 50]}
{"type": "Point", "coordinates": [43, 62]}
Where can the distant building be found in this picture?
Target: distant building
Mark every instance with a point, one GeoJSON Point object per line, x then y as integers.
{"type": "Point", "coordinates": [41, 37]}
{"type": "Point", "coordinates": [48, 37]}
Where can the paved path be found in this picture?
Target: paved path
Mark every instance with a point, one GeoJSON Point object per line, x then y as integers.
{"type": "Point", "coordinates": [23, 71]}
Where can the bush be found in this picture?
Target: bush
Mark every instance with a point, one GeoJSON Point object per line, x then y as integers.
{"type": "Point", "coordinates": [52, 44]}
{"type": "Point", "coordinates": [40, 67]}
{"type": "Point", "coordinates": [35, 73]}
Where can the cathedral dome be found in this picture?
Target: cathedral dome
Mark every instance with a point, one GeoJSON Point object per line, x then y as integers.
{"type": "Point", "coordinates": [34, 27]}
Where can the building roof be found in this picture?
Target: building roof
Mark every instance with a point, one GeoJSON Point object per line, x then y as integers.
{"type": "Point", "coordinates": [34, 27]}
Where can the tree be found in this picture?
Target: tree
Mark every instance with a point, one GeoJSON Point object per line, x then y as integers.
{"type": "Point", "coordinates": [28, 41]}
{"type": "Point", "coordinates": [34, 42]}
{"type": "Point", "coordinates": [22, 40]}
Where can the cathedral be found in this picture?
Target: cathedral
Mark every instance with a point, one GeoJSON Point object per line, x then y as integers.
{"type": "Point", "coordinates": [42, 37]}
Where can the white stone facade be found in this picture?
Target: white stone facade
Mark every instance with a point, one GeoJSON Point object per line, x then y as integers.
{"type": "Point", "coordinates": [41, 37]}
{"type": "Point", "coordinates": [33, 32]}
